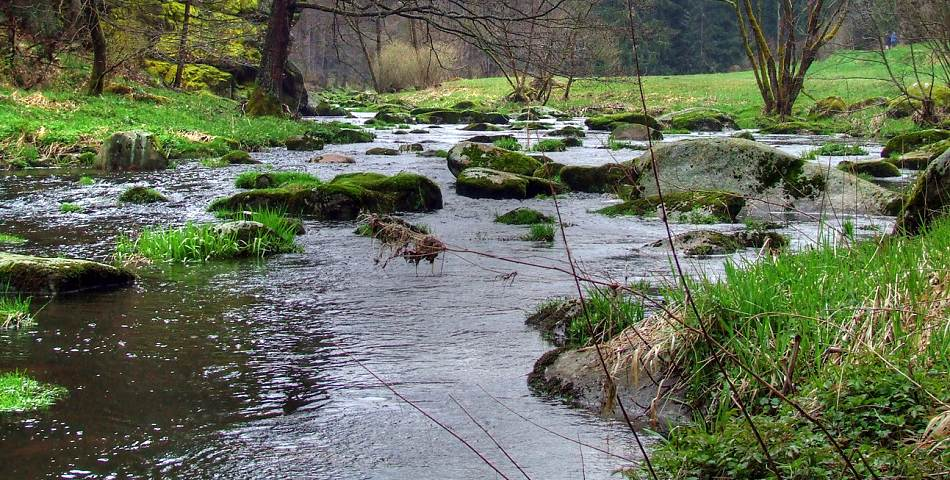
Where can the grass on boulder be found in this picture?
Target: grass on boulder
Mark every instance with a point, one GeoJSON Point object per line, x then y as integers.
{"type": "Point", "coordinates": [142, 196]}
{"type": "Point", "coordinates": [67, 207]}
{"type": "Point", "coordinates": [252, 180]}
{"type": "Point", "coordinates": [508, 143]}
{"type": "Point", "coordinates": [540, 232]}
{"type": "Point", "coordinates": [835, 150]}
{"type": "Point", "coordinates": [20, 393]}
{"type": "Point", "coordinates": [523, 216]}
{"type": "Point", "coordinates": [550, 145]}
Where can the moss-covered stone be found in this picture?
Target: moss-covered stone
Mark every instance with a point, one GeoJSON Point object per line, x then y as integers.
{"type": "Point", "coordinates": [699, 120]}
{"type": "Point", "coordinates": [724, 206]}
{"type": "Point", "coordinates": [928, 199]}
{"type": "Point", "coordinates": [263, 104]}
{"type": "Point", "coordinates": [920, 158]}
{"type": "Point", "coordinates": [549, 170]}
{"type": "Point", "coordinates": [568, 131]}
{"type": "Point", "coordinates": [344, 197]}
{"type": "Point", "coordinates": [828, 106]}
{"type": "Point", "coordinates": [25, 275]}
{"type": "Point", "coordinates": [142, 195]}
{"type": "Point", "coordinates": [392, 117]}
{"type": "Point", "coordinates": [238, 157]}
{"type": "Point", "coordinates": [523, 216]}
{"type": "Point", "coordinates": [327, 109]}
{"type": "Point", "coordinates": [382, 151]}
{"type": "Point", "coordinates": [531, 126]}
{"type": "Point", "coordinates": [909, 142]}
{"type": "Point", "coordinates": [467, 154]}
{"type": "Point", "coordinates": [477, 182]}
{"type": "Point", "coordinates": [482, 127]}
{"type": "Point", "coordinates": [794, 127]}
{"type": "Point", "coordinates": [607, 178]}
{"type": "Point", "coordinates": [608, 122]}
{"type": "Point", "coordinates": [634, 132]}
{"type": "Point", "coordinates": [709, 242]}
{"type": "Point", "coordinates": [874, 168]}
{"type": "Point", "coordinates": [445, 117]}
{"type": "Point", "coordinates": [351, 135]}
{"type": "Point", "coordinates": [304, 143]}
{"type": "Point", "coordinates": [195, 77]}
{"type": "Point", "coordinates": [133, 151]}
{"type": "Point", "coordinates": [747, 135]}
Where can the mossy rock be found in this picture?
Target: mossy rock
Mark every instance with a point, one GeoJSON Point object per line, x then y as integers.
{"type": "Point", "coordinates": [263, 104]}
{"type": "Point", "coordinates": [391, 117]}
{"type": "Point", "coordinates": [467, 154]}
{"type": "Point", "coordinates": [195, 77]}
{"type": "Point", "coordinates": [549, 171]}
{"type": "Point", "coordinates": [920, 158]}
{"type": "Point", "coordinates": [447, 117]}
{"type": "Point", "coordinates": [794, 127]}
{"type": "Point", "coordinates": [134, 151]}
{"type": "Point", "coordinates": [634, 132]}
{"type": "Point", "coordinates": [744, 135]}
{"type": "Point", "coordinates": [929, 198]}
{"type": "Point", "coordinates": [347, 136]}
{"type": "Point", "coordinates": [608, 122]}
{"type": "Point", "coordinates": [26, 275]}
{"type": "Point", "coordinates": [607, 178]}
{"type": "Point", "coordinates": [701, 243]}
{"type": "Point", "coordinates": [477, 182]}
{"type": "Point", "coordinates": [142, 195]}
{"type": "Point", "coordinates": [901, 107]}
{"type": "Point", "coordinates": [343, 198]}
{"type": "Point", "coordinates": [828, 107]}
{"type": "Point", "coordinates": [874, 168]}
{"type": "Point", "coordinates": [238, 157]}
{"type": "Point", "coordinates": [465, 105]}
{"type": "Point", "coordinates": [327, 109]}
{"type": "Point", "coordinates": [568, 131]}
{"type": "Point", "coordinates": [382, 151]}
{"type": "Point", "coordinates": [909, 142]}
{"type": "Point", "coordinates": [724, 206]}
{"type": "Point", "coordinates": [867, 103]}
{"type": "Point", "coordinates": [489, 138]}
{"type": "Point", "coordinates": [304, 143]}
{"type": "Point", "coordinates": [523, 216]}
{"type": "Point", "coordinates": [482, 127]}
{"type": "Point", "coordinates": [572, 142]}
{"type": "Point", "coordinates": [699, 120]}
{"type": "Point", "coordinates": [531, 126]}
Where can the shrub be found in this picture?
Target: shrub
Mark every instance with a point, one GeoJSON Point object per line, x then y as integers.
{"type": "Point", "coordinates": [15, 312]}
{"type": "Point", "coordinates": [86, 181]}
{"type": "Point", "coordinates": [400, 66]}
{"type": "Point", "coordinates": [609, 314]}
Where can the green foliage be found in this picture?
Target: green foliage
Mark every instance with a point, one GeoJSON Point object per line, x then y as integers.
{"type": "Point", "coordinates": [523, 216]}
{"type": "Point", "coordinates": [251, 180]}
{"type": "Point", "coordinates": [550, 145]}
{"type": "Point", "coordinates": [86, 181]}
{"type": "Point", "coordinates": [609, 315]}
{"type": "Point", "coordinates": [14, 312]}
{"type": "Point", "coordinates": [7, 239]}
{"type": "Point", "coordinates": [508, 143]}
{"type": "Point", "coordinates": [835, 150]}
{"type": "Point", "coordinates": [20, 393]}
{"type": "Point", "coordinates": [540, 232]}
{"type": "Point", "coordinates": [69, 208]}
{"type": "Point", "coordinates": [196, 77]}
{"type": "Point", "coordinates": [141, 195]}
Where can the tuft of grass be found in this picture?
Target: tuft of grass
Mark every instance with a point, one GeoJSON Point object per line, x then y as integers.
{"type": "Point", "coordinates": [550, 145]}
{"type": "Point", "coordinates": [251, 180]}
{"type": "Point", "coordinates": [523, 216]}
{"type": "Point", "coordinates": [142, 195]}
{"type": "Point", "coordinates": [20, 393]}
{"type": "Point", "coordinates": [67, 207]}
{"type": "Point", "coordinates": [540, 232]}
{"type": "Point", "coordinates": [508, 143]}
{"type": "Point", "coordinates": [15, 312]}
{"type": "Point", "coordinates": [610, 314]}
{"type": "Point", "coordinates": [86, 181]}
{"type": "Point", "coordinates": [7, 239]}
{"type": "Point", "coordinates": [834, 150]}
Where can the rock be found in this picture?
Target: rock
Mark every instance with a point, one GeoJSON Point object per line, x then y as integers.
{"type": "Point", "coordinates": [928, 199]}
{"type": "Point", "coordinates": [134, 151]}
{"type": "Point", "coordinates": [765, 176]}
{"type": "Point", "coordinates": [608, 122]}
{"type": "Point", "coordinates": [539, 112]}
{"type": "Point", "coordinates": [443, 117]}
{"type": "Point", "coordinates": [238, 157]}
{"type": "Point", "coordinates": [794, 127]}
{"type": "Point", "coordinates": [699, 120]}
{"type": "Point", "coordinates": [464, 105]}
{"type": "Point", "coordinates": [26, 275]}
{"type": "Point", "coordinates": [142, 195]}
{"type": "Point", "coordinates": [909, 142]}
{"type": "Point", "coordinates": [572, 142]}
{"type": "Point", "coordinates": [554, 318]}
{"type": "Point", "coordinates": [466, 155]}
{"type": "Point", "coordinates": [489, 138]}
{"type": "Point", "coordinates": [244, 231]}
{"type": "Point", "coordinates": [304, 143]}
{"type": "Point", "coordinates": [745, 135]}
{"type": "Point", "coordinates": [531, 126]}
{"type": "Point", "coordinates": [382, 151]}
{"type": "Point", "coordinates": [333, 158]}
{"type": "Point", "coordinates": [351, 135]}
{"type": "Point", "coordinates": [901, 107]}
{"type": "Point", "coordinates": [478, 182]}
{"type": "Point", "coordinates": [548, 170]}
{"type": "Point", "coordinates": [711, 242]}
{"type": "Point", "coordinates": [568, 131]}
{"type": "Point", "coordinates": [634, 132]}
{"type": "Point", "coordinates": [434, 154]}
{"type": "Point", "coordinates": [828, 107]}
{"type": "Point", "coordinates": [920, 158]}
{"type": "Point", "coordinates": [603, 179]}
{"type": "Point", "coordinates": [874, 168]}
{"type": "Point", "coordinates": [481, 127]}
{"type": "Point", "coordinates": [326, 109]}
{"type": "Point", "coordinates": [523, 216]}
{"type": "Point", "coordinates": [343, 198]}
{"type": "Point", "coordinates": [419, 131]}
{"type": "Point", "coordinates": [411, 148]}
{"type": "Point", "coordinates": [867, 103]}
{"type": "Point", "coordinates": [390, 117]}
{"type": "Point", "coordinates": [725, 206]}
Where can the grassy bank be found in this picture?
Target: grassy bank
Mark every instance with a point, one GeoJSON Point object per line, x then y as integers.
{"type": "Point", "coordinates": [849, 75]}
{"type": "Point", "coordinates": [50, 126]}
{"type": "Point", "coordinates": [20, 393]}
{"type": "Point", "coordinates": [868, 327]}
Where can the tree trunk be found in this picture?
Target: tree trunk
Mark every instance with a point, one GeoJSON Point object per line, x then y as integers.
{"type": "Point", "coordinates": [182, 45]}
{"type": "Point", "coordinates": [98, 39]}
{"type": "Point", "coordinates": [276, 48]}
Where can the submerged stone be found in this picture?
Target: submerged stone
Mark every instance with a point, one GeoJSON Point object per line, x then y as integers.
{"type": "Point", "coordinates": [724, 206]}
{"type": "Point", "coordinates": [334, 158]}
{"type": "Point", "coordinates": [523, 216]}
{"type": "Point", "coordinates": [142, 195]}
{"type": "Point", "coordinates": [133, 151]}
{"type": "Point", "coordinates": [26, 275]}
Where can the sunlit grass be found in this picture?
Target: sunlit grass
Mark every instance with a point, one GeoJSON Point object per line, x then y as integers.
{"type": "Point", "coordinates": [20, 393]}
{"type": "Point", "coordinates": [8, 239]}
{"type": "Point", "coordinates": [15, 312]}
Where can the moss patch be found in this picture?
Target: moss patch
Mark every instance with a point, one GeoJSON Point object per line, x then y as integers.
{"type": "Point", "coordinates": [142, 195]}
{"type": "Point", "coordinates": [724, 206]}
{"type": "Point", "coordinates": [608, 122]}
{"type": "Point", "coordinates": [523, 216]}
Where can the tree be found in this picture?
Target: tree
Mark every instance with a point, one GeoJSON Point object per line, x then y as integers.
{"type": "Point", "coordinates": [91, 14]}
{"type": "Point", "coordinates": [780, 68]}
{"type": "Point", "coordinates": [182, 45]}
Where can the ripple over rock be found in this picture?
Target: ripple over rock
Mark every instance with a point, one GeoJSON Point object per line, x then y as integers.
{"type": "Point", "coordinates": [28, 275]}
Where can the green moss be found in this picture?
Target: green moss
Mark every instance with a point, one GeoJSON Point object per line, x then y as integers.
{"type": "Point", "coordinates": [523, 216]}
{"type": "Point", "coordinates": [195, 77]}
{"type": "Point", "coordinates": [700, 119]}
{"type": "Point", "coordinates": [603, 179]}
{"type": "Point", "coordinates": [874, 168]}
{"type": "Point", "coordinates": [86, 181]}
{"type": "Point", "coordinates": [67, 207]}
{"type": "Point", "coordinates": [7, 239]}
{"type": "Point", "coordinates": [252, 180]}
{"type": "Point", "coordinates": [142, 196]}
{"type": "Point", "coordinates": [550, 145]}
{"type": "Point", "coordinates": [829, 106]}
{"type": "Point", "coordinates": [20, 393]}
{"type": "Point", "coordinates": [262, 104]}
{"type": "Point", "coordinates": [912, 141]}
{"type": "Point", "coordinates": [835, 150]}
{"type": "Point", "coordinates": [540, 232]}
{"type": "Point", "coordinates": [608, 122]}
{"type": "Point", "coordinates": [237, 157]}
{"type": "Point", "coordinates": [508, 143]}
{"type": "Point", "coordinates": [721, 206]}
{"type": "Point", "coordinates": [500, 159]}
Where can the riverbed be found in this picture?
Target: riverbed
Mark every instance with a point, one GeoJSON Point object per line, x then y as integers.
{"type": "Point", "coordinates": [249, 369]}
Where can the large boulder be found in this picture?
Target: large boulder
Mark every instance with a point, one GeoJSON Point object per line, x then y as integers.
{"type": "Point", "coordinates": [929, 198]}
{"type": "Point", "coordinates": [467, 155]}
{"type": "Point", "coordinates": [699, 120]}
{"type": "Point", "coordinates": [26, 275]}
{"type": "Point", "coordinates": [920, 158]}
{"type": "Point", "coordinates": [635, 132]}
{"type": "Point", "coordinates": [909, 142]}
{"type": "Point", "coordinates": [768, 178]}
{"type": "Point", "coordinates": [343, 198]}
{"type": "Point", "coordinates": [477, 182]}
{"type": "Point", "coordinates": [608, 122]}
{"type": "Point", "coordinates": [134, 151]}
{"type": "Point", "coordinates": [873, 168]}
{"type": "Point", "coordinates": [601, 179]}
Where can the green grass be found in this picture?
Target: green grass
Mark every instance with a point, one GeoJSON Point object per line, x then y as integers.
{"type": "Point", "coordinates": [67, 207]}
{"type": "Point", "coordinates": [142, 195]}
{"type": "Point", "coordinates": [540, 232]}
{"type": "Point", "coordinates": [86, 181]}
{"type": "Point", "coordinates": [609, 314]}
{"type": "Point", "coordinates": [251, 180]}
{"type": "Point", "coordinates": [508, 143]}
{"type": "Point", "coordinates": [550, 145]}
{"type": "Point", "coordinates": [204, 242]}
{"type": "Point", "coordinates": [7, 239]}
{"type": "Point", "coordinates": [854, 76]}
{"type": "Point", "coordinates": [20, 393]}
{"type": "Point", "coordinates": [15, 312]}
{"type": "Point", "coordinates": [523, 216]}
{"type": "Point", "coordinates": [835, 150]}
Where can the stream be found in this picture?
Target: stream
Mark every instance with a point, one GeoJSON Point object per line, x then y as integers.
{"type": "Point", "coordinates": [248, 369]}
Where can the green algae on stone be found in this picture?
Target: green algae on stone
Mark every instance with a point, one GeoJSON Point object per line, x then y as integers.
{"type": "Point", "coordinates": [29, 275]}
{"type": "Point", "coordinates": [142, 195]}
{"type": "Point", "coordinates": [723, 206]}
{"type": "Point", "coordinates": [467, 154]}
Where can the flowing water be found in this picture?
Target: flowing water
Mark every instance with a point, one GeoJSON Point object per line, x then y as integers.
{"type": "Point", "coordinates": [248, 369]}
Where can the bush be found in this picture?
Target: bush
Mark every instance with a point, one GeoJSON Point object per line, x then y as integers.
{"type": "Point", "coordinates": [400, 66]}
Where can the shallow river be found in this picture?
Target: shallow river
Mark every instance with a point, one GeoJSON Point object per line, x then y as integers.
{"type": "Point", "coordinates": [246, 369]}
